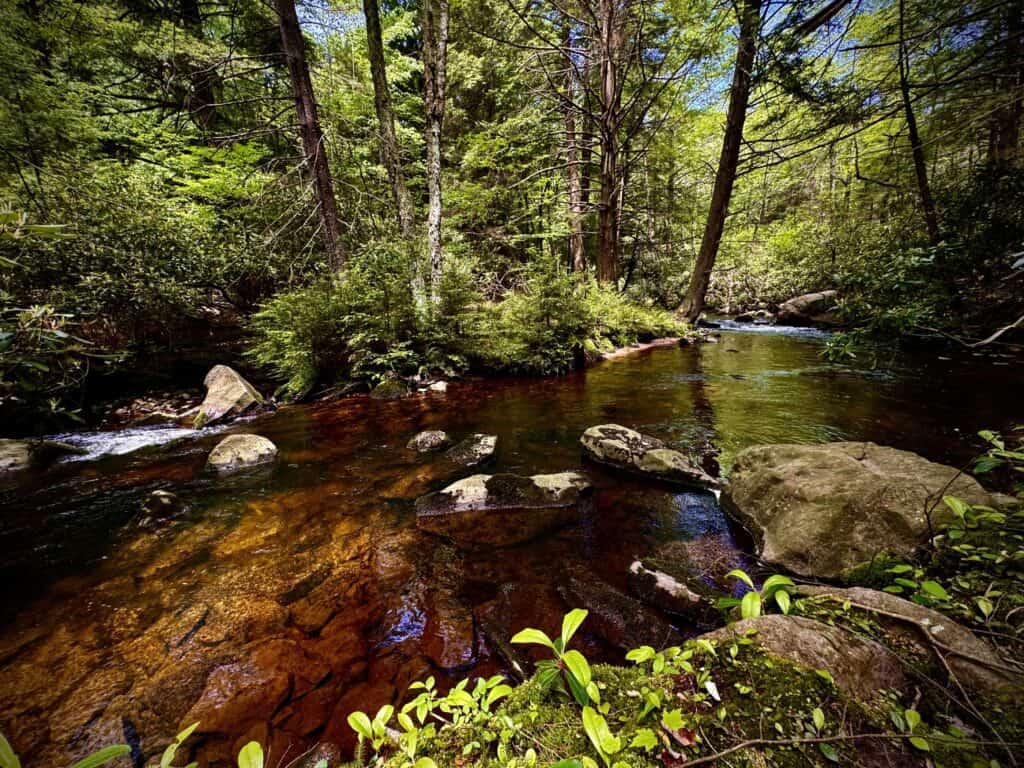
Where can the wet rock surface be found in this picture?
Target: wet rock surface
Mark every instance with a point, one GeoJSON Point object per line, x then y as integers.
{"type": "Point", "coordinates": [390, 389]}
{"type": "Point", "coordinates": [237, 452]}
{"type": "Point", "coordinates": [626, 449]}
{"type": "Point", "coordinates": [16, 455]}
{"type": "Point", "coordinates": [819, 510]}
{"type": "Point", "coordinates": [505, 509]}
{"type": "Point", "coordinates": [227, 394]}
{"type": "Point", "coordinates": [428, 441]}
{"type": "Point", "coordinates": [475, 449]}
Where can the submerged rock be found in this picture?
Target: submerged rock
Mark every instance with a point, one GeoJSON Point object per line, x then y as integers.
{"type": "Point", "coordinates": [663, 590]}
{"type": "Point", "coordinates": [22, 454]}
{"type": "Point", "coordinates": [502, 510]}
{"type": "Point", "coordinates": [159, 505]}
{"type": "Point", "coordinates": [619, 619]}
{"type": "Point", "coordinates": [430, 440]}
{"type": "Point", "coordinates": [474, 450]}
{"type": "Point", "coordinates": [237, 452]}
{"type": "Point", "coordinates": [859, 666]}
{"type": "Point", "coordinates": [227, 394]}
{"type": "Point", "coordinates": [974, 662]}
{"type": "Point", "coordinates": [623, 448]}
{"type": "Point", "coordinates": [390, 389]}
{"type": "Point", "coordinates": [810, 309]}
{"type": "Point", "coordinates": [819, 510]}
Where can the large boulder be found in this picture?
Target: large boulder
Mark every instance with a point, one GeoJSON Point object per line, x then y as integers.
{"type": "Point", "coordinates": [860, 667]}
{"type": "Point", "coordinates": [474, 450]}
{"type": "Point", "coordinates": [974, 662]}
{"type": "Point", "coordinates": [810, 309]}
{"type": "Point", "coordinates": [227, 394]}
{"type": "Point", "coordinates": [502, 510]}
{"type": "Point", "coordinates": [237, 452]}
{"type": "Point", "coordinates": [623, 448]}
{"type": "Point", "coordinates": [819, 510]}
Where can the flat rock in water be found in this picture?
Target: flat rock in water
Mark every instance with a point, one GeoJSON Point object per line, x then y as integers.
{"type": "Point", "coordinates": [227, 394]}
{"type": "Point", "coordinates": [974, 662]}
{"type": "Point", "coordinates": [626, 449]}
{"type": "Point", "coordinates": [474, 450]}
{"type": "Point", "coordinates": [664, 590]}
{"type": "Point", "coordinates": [237, 452]}
{"type": "Point", "coordinates": [22, 454]}
{"type": "Point", "coordinates": [819, 510]}
{"type": "Point", "coordinates": [859, 666]}
{"type": "Point", "coordinates": [430, 440]}
{"type": "Point", "coordinates": [502, 510]}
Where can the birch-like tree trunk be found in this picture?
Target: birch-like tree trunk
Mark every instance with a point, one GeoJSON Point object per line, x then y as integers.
{"type": "Point", "coordinates": [435, 61]}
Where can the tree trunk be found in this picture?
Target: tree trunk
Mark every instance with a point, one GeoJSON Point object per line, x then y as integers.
{"type": "Point", "coordinates": [924, 189]}
{"type": "Point", "coordinates": [435, 61]}
{"type": "Point", "coordinates": [608, 129]}
{"type": "Point", "coordinates": [313, 149]}
{"type": "Point", "coordinates": [728, 161]}
{"type": "Point", "coordinates": [577, 254]}
{"type": "Point", "coordinates": [1004, 148]}
{"type": "Point", "coordinates": [386, 119]}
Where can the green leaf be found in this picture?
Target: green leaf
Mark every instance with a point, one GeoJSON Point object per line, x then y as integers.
{"type": "Point", "coordinates": [105, 755]}
{"type": "Point", "coordinates": [425, 762]}
{"type": "Point", "coordinates": [498, 692]}
{"type": "Point", "coordinates": [782, 598]}
{"type": "Point", "coordinates": [360, 723]}
{"type": "Point", "coordinates": [819, 718]}
{"type": "Point", "coordinates": [578, 666]}
{"type": "Point", "coordinates": [829, 752]}
{"type": "Point", "coordinates": [935, 590]}
{"type": "Point", "coordinates": [775, 582]}
{"type": "Point", "coordinates": [912, 718]}
{"type": "Point", "coordinates": [959, 506]}
{"type": "Point", "coordinates": [534, 637]}
{"type": "Point", "coordinates": [984, 605]}
{"type": "Point", "coordinates": [750, 606]}
{"type": "Point", "coordinates": [673, 719]}
{"type": "Point", "coordinates": [919, 743]}
{"type": "Point", "coordinates": [644, 739]}
{"type": "Point", "coordinates": [7, 757]}
{"type": "Point", "coordinates": [251, 755]}
{"type": "Point", "coordinates": [570, 623]}
{"type": "Point", "coordinates": [641, 654]}
{"type": "Point", "coordinates": [742, 576]}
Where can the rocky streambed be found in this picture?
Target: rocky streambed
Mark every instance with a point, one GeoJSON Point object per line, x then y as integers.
{"type": "Point", "coordinates": [269, 604]}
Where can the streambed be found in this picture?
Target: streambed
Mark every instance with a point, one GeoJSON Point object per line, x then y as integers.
{"type": "Point", "coordinates": [274, 603]}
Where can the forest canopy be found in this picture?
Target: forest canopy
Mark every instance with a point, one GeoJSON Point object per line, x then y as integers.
{"type": "Point", "coordinates": [363, 189]}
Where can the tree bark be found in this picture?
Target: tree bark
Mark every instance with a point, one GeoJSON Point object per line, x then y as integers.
{"type": "Point", "coordinates": [577, 252]}
{"type": "Point", "coordinates": [728, 161]}
{"type": "Point", "coordinates": [611, 33]}
{"type": "Point", "coordinates": [1004, 148]}
{"type": "Point", "coordinates": [924, 189]}
{"type": "Point", "coordinates": [435, 62]}
{"type": "Point", "coordinates": [313, 148]}
{"type": "Point", "coordinates": [386, 118]}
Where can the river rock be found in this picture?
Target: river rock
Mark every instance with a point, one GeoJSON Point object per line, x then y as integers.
{"type": "Point", "coordinates": [390, 389]}
{"type": "Point", "coordinates": [14, 455]}
{"type": "Point", "coordinates": [159, 505]}
{"type": "Point", "coordinates": [474, 450]}
{"type": "Point", "coordinates": [819, 510]}
{"type": "Point", "coordinates": [759, 316]}
{"type": "Point", "coordinates": [623, 448]}
{"type": "Point", "coordinates": [237, 452]}
{"type": "Point", "coordinates": [974, 662]}
{"type": "Point", "coordinates": [502, 510]}
{"type": "Point", "coordinates": [22, 454]}
{"type": "Point", "coordinates": [810, 309]}
{"type": "Point", "coordinates": [430, 440]}
{"type": "Point", "coordinates": [663, 590]}
{"type": "Point", "coordinates": [860, 667]}
{"type": "Point", "coordinates": [619, 619]}
{"type": "Point", "coordinates": [227, 394]}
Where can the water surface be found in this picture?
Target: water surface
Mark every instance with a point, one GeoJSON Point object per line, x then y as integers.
{"type": "Point", "coordinates": [273, 604]}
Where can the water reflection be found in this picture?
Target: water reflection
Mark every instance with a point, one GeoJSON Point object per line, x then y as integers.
{"type": "Point", "coordinates": [317, 567]}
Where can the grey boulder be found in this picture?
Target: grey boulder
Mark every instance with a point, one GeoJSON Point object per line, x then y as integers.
{"type": "Point", "coordinates": [626, 449]}
{"type": "Point", "coordinates": [227, 394]}
{"type": "Point", "coordinates": [237, 452]}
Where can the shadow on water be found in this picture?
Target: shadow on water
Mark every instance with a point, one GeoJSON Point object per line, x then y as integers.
{"type": "Point", "coordinates": [273, 604]}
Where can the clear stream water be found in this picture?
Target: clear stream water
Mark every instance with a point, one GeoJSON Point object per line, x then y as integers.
{"type": "Point", "coordinates": [273, 604]}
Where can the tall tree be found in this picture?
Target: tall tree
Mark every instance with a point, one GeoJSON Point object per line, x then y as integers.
{"type": "Point", "coordinates": [1004, 143]}
{"type": "Point", "coordinates": [612, 16]}
{"type": "Point", "coordinates": [924, 188]}
{"type": "Point", "coordinates": [728, 160]}
{"type": "Point", "coordinates": [386, 118]}
{"type": "Point", "coordinates": [577, 250]}
{"type": "Point", "coordinates": [313, 148]}
{"type": "Point", "coordinates": [435, 64]}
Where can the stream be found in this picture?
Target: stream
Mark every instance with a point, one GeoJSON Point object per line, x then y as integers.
{"type": "Point", "coordinates": [274, 603]}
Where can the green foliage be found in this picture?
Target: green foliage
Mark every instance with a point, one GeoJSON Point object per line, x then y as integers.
{"type": "Point", "coordinates": [776, 588]}
{"type": "Point", "coordinates": [568, 663]}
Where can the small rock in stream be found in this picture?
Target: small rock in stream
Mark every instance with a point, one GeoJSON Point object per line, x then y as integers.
{"type": "Point", "coordinates": [623, 448]}
{"type": "Point", "coordinates": [474, 450]}
{"type": "Point", "coordinates": [237, 452]}
{"type": "Point", "coordinates": [428, 441]}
